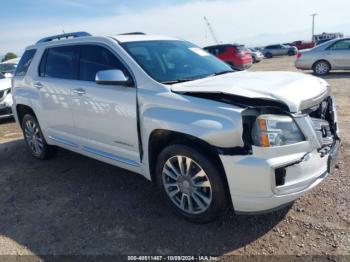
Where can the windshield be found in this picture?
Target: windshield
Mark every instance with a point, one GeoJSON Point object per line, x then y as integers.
{"type": "Point", "coordinates": [7, 68]}
{"type": "Point", "coordinates": [175, 61]}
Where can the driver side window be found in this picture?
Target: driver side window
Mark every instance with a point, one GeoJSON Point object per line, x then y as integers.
{"type": "Point", "coordinates": [94, 58]}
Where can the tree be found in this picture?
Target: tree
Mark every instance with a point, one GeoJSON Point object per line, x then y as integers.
{"type": "Point", "coordinates": [9, 56]}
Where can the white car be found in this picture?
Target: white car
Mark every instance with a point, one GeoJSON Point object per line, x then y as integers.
{"type": "Point", "coordinates": [8, 67]}
{"type": "Point", "coordinates": [208, 136]}
{"type": "Point", "coordinates": [5, 97]}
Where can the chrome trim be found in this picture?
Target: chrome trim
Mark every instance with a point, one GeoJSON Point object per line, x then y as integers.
{"type": "Point", "coordinates": [110, 156]}
{"type": "Point", "coordinates": [63, 141]}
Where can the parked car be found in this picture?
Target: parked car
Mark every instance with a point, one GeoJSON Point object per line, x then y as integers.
{"type": "Point", "coordinates": [279, 50]}
{"type": "Point", "coordinates": [235, 55]}
{"type": "Point", "coordinates": [5, 97]}
{"type": "Point", "coordinates": [301, 45]}
{"type": "Point", "coordinates": [256, 55]}
{"type": "Point", "coordinates": [210, 137]}
{"type": "Point", "coordinates": [7, 69]}
{"type": "Point", "coordinates": [332, 55]}
{"type": "Point", "coordinates": [323, 41]}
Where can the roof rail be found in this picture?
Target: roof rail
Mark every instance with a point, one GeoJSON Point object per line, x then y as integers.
{"type": "Point", "coordinates": [133, 33]}
{"type": "Point", "coordinates": [58, 37]}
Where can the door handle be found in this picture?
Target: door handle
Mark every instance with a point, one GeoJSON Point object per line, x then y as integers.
{"type": "Point", "coordinates": [79, 91]}
{"type": "Point", "coordinates": [38, 85]}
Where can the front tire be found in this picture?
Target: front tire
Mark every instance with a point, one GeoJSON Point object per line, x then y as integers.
{"type": "Point", "coordinates": [34, 138]}
{"type": "Point", "coordinates": [254, 59]}
{"type": "Point", "coordinates": [321, 68]}
{"type": "Point", "coordinates": [190, 183]}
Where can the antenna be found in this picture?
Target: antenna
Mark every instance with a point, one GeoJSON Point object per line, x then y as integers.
{"type": "Point", "coordinates": [211, 30]}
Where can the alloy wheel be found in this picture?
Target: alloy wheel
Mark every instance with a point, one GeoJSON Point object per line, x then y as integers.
{"type": "Point", "coordinates": [187, 185]}
{"type": "Point", "coordinates": [33, 137]}
{"type": "Point", "coordinates": [321, 68]}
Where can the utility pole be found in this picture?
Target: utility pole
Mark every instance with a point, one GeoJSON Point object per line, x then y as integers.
{"type": "Point", "coordinates": [313, 26]}
{"type": "Point", "coordinates": [211, 31]}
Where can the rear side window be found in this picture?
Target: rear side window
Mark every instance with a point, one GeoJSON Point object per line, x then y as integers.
{"type": "Point", "coordinates": [24, 63]}
{"type": "Point", "coordinates": [341, 45]}
{"type": "Point", "coordinates": [60, 62]}
{"type": "Point", "coordinates": [94, 58]}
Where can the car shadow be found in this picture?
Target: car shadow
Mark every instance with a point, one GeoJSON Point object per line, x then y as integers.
{"type": "Point", "coordinates": [71, 204]}
{"type": "Point", "coordinates": [334, 75]}
{"type": "Point", "coordinates": [7, 120]}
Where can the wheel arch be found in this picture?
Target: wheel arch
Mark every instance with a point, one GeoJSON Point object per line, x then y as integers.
{"type": "Point", "coordinates": [161, 138]}
{"type": "Point", "coordinates": [22, 110]}
{"type": "Point", "coordinates": [322, 60]}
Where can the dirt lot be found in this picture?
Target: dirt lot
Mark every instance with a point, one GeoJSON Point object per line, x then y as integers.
{"type": "Point", "coordinates": [75, 205]}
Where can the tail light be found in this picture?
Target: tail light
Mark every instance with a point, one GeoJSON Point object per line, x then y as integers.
{"type": "Point", "coordinates": [299, 55]}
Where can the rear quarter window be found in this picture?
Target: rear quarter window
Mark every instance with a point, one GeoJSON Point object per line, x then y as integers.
{"type": "Point", "coordinates": [25, 62]}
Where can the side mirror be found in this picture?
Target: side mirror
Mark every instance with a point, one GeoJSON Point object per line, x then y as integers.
{"type": "Point", "coordinates": [112, 77]}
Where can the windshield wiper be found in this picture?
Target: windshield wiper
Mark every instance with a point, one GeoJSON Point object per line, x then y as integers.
{"type": "Point", "coordinates": [177, 81]}
{"type": "Point", "coordinates": [220, 73]}
{"type": "Point", "coordinates": [192, 79]}
{"type": "Point", "coordinates": [223, 72]}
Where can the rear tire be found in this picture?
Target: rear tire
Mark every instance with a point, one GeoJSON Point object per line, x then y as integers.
{"type": "Point", "coordinates": [190, 183]}
{"type": "Point", "coordinates": [291, 53]}
{"type": "Point", "coordinates": [268, 55]}
{"type": "Point", "coordinates": [321, 68]}
{"type": "Point", "coordinates": [35, 139]}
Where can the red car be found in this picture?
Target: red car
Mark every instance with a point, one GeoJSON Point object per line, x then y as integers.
{"type": "Point", "coordinates": [303, 45]}
{"type": "Point", "coordinates": [235, 55]}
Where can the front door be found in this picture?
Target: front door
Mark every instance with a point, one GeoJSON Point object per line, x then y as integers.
{"type": "Point", "coordinates": [339, 54]}
{"type": "Point", "coordinates": [105, 116]}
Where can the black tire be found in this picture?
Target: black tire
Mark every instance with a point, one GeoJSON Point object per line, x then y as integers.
{"type": "Point", "coordinates": [291, 53]}
{"type": "Point", "coordinates": [218, 191]}
{"type": "Point", "coordinates": [45, 150]}
{"type": "Point", "coordinates": [268, 55]}
{"type": "Point", "coordinates": [326, 67]}
{"type": "Point", "coordinates": [254, 60]}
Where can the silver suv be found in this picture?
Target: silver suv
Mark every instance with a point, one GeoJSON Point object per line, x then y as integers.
{"type": "Point", "coordinates": [211, 138]}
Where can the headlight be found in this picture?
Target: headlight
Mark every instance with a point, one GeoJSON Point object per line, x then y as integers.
{"type": "Point", "coordinates": [276, 130]}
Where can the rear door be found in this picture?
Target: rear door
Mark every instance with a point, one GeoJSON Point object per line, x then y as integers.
{"type": "Point", "coordinates": [339, 54]}
{"type": "Point", "coordinates": [57, 75]}
{"type": "Point", "coordinates": [105, 116]}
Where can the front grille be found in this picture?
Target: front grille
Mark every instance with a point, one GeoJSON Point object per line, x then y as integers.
{"type": "Point", "coordinates": [5, 111]}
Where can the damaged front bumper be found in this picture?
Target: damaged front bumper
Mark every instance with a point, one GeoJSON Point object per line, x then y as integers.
{"type": "Point", "coordinates": [273, 177]}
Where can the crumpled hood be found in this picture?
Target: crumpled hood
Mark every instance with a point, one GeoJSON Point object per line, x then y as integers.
{"type": "Point", "coordinates": [5, 83]}
{"type": "Point", "coordinates": [298, 91]}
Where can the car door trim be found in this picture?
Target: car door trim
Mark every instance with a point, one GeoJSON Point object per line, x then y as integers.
{"type": "Point", "coordinates": [63, 141]}
{"type": "Point", "coordinates": [110, 156]}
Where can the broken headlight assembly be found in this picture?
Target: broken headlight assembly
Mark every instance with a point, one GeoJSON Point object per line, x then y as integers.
{"type": "Point", "coordinates": [275, 130]}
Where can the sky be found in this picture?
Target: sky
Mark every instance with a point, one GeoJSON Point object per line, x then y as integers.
{"type": "Point", "coordinates": [250, 22]}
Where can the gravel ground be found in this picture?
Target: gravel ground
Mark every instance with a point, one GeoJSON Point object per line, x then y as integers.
{"type": "Point", "coordinates": [75, 205]}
